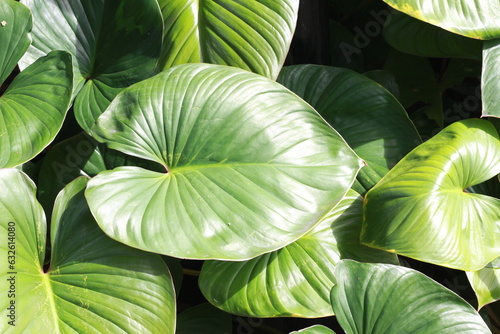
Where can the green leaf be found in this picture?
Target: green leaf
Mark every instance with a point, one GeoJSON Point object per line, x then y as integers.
{"type": "Point", "coordinates": [33, 108]}
{"type": "Point", "coordinates": [370, 119]}
{"type": "Point", "coordinates": [76, 294]}
{"type": "Point", "coordinates": [316, 329]}
{"type": "Point", "coordinates": [486, 283]}
{"type": "Point", "coordinates": [383, 298]}
{"type": "Point", "coordinates": [15, 25]}
{"type": "Point", "coordinates": [490, 78]}
{"type": "Point", "coordinates": [475, 19]}
{"type": "Point", "coordinates": [252, 35]}
{"type": "Point", "coordinates": [113, 43]}
{"type": "Point", "coordinates": [385, 79]}
{"type": "Point", "coordinates": [297, 279]}
{"type": "Point", "coordinates": [418, 38]}
{"type": "Point", "coordinates": [203, 318]}
{"type": "Point", "coordinates": [250, 166]}
{"type": "Point", "coordinates": [420, 210]}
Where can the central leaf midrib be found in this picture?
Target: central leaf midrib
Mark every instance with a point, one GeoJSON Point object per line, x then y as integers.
{"type": "Point", "coordinates": [50, 297]}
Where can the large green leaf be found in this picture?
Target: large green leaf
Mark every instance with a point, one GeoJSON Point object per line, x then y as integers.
{"type": "Point", "coordinates": [251, 34]}
{"type": "Point", "coordinates": [413, 36]}
{"type": "Point", "coordinates": [370, 119]}
{"type": "Point", "coordinates": [490, 79]}
{"type": "Point", "coordinates": [386, 299]}
{"type": "Point", "coordinates": [486, 283]}
{"type": "Point", "coordinates": [33, 108]}
{"type": "Point", "coordinates": [93, 284]}
{"type": "Point", "coordinates": [15, 26]}
{"type": "Point", "coordinates": [420, 209]}
{"type": "Point", "coordinates": [113, 43]}
{"type": "Point", "coordinates": [250, 167]}
{"type": "Point", "coordinates": [471, 18]}
{"type": "Point", "coordinates": [297, 279]}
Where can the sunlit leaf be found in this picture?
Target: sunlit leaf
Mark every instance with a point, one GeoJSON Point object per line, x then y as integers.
{"type": "Point", "coordinates": [249, 166]}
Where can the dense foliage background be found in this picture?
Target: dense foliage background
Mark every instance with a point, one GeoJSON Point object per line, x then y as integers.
{"type": "Point", "coordinates": [249, 166]}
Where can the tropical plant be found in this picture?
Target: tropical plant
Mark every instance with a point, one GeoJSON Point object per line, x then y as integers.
{"type": "Point", "coordinates": [181, 166]}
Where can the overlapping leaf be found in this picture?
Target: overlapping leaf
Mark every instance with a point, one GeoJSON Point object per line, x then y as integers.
{"type": "Point", "coordinates": [413, 36]}
{"type": "Point", "coordinates": [250, 166]}
{"type": "Point", "coordinates": [203, 318]}
{"type": "Point", "coordinates": [93, 284]}
{"type": "Point", "coordinates": [471, 18]}
{"type": "Point", "coordinates": [15, 25]}
{"type": "Point", "coordinates": [486, 283]}
{"type": "Point", "coordinates": [113, 43]}
{"type": "Point", "coordinates": [33, 108]}
{"type": "Point", "coordinates": [253, 35]}
{"type": "Point", "coordinates": [490, 79]}
{"type": "Point", "coordinates": [317, 329]}
{"type": "Point", "coordinates": [371, 120]}
{"type": "Point", "coordinates": [297, 279]}
{"type": "Point", "coordinates": [385, 299]}
{"type": "Point", "coordinates": [420, 208]}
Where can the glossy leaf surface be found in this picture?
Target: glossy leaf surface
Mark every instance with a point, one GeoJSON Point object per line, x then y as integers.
{"type": "Point", "coordinates": [420, 209]}
{"type": "Point", "coordinates": [15, 26]}
{"type": "Point", "coordinates": [33, 108]}
{"type": "Point", "coordinates": [490, 78]}
{"type": "Point", "coordinates": [203, 318]}
{"type": "Point", "coordinates": [370, 119]}
{"type": "Point", "coordinates": [93, 284]}
{"type": "Point", "coordinates": [384, 299]}
{"type": "Point", "coordinates": [250, 166]}
{"type": "Point", "coordinates": [486, 283]}
{"type": "Point", "coordinates": [475, 19]}
{"type": "Point", "coordinates": [297, 279]}
{"type": "Point", "coordinates": [252, 35]}
{"type": "Point", "coordinates": [113, 43]}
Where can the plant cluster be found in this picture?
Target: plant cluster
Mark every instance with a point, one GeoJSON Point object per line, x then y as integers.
{"type": "Point", "coordinates": [144, 142]}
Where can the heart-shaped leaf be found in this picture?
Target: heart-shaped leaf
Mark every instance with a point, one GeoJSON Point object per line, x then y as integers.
{"type": "Point", "coordinates": [370, 119]}
{"type": "Point", "coordinates": [203, 318]}
{"type": "Point", "coordinates": [93, 285]}
{"type": "Point", "coordinates": [253, 35]}
{"type": "Point", "coordinates": [33, 108]}
{"type": "Point", "coordinates": [486, 283]}
{"type": "Point", "coordinates": [420, 210]}
{"type": "Point", "coordinates": [384, 299]}
{"type": "Point", "coordinates": [490, 78]}
{"type": "Point", "coordinates": [113, 43]}
{"type": "Point", "coordinates": [476, 19]}
{"type": "Point", "coordinates": [250, 166]}
{"type": "Point", "coordinates": [15, 25]}
{"type": "Point", "coordinates": [413, 36]}
{"type": "Point", "coordinates": [297, 279]}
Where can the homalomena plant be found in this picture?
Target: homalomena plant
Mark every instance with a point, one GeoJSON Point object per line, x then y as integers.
{"type": "Point", "coordinates": [147, 142]}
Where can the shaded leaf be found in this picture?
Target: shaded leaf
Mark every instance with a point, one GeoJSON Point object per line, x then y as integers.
{"type": "Point", "coordinates": [94, 34]}
{"type": "Point", "coordinates": [252, 35]}
{"type": "Point", "coordinates": [316, 329]}
{"type": "Point", "coordinates": [15, 26]}
{"type": "Point", "coordinates": [383, 298]}
{"type": "Point", "coordinates": [204, 318]}
{"type": "Point", "coordinates": [470, 18]}
{"type": "Point", "coordinates": [297, 279]}
{"type": "Point", "coordinates": [490, 78]}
